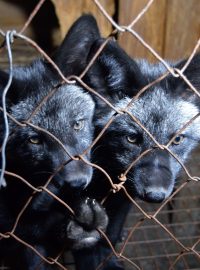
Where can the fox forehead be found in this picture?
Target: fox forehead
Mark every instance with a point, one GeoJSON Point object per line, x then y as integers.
{"type": "Point", "coordinates": [70, 101]}
{"type": "Point", "coordinates": [158, 111]}
{"type": "Point", "coordinates": [59, 113]}
{"type": "Point", "coordinates": [159, 107]}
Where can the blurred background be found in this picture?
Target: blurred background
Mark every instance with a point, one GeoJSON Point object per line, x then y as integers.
{"type": "Point", "coordinates": [170, 27]}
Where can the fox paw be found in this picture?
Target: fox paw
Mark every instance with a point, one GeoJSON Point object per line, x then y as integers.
{"type": "Point", "coordinates": [81, 229]}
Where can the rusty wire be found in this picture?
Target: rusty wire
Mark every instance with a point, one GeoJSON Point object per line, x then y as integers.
{"type": "Point", "coordinates": [119, 187]}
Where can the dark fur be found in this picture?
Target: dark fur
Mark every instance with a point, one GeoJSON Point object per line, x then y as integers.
{"type": "Point", "coordinates": [163, 109]}
{"type": "Point", "coordinates": [46, 224]}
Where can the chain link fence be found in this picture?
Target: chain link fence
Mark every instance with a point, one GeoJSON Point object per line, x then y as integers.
{"type": "Point", "coordinates": [149, 227]}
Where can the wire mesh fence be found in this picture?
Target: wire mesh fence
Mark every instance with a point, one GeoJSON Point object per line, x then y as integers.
{"type": "Point", "coordinates": [165, 234]}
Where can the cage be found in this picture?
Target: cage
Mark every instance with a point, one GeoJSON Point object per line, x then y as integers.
{"type": "Point", "coordinates": [155, 236]}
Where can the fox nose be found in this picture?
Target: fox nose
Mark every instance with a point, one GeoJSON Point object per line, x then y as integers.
{"type": "Point", "coordinates": [80, 183]}
{"type": "Point", "coordinates": [154, 196]}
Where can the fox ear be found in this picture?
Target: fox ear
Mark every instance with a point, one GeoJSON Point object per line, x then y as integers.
{"type": "Point", "coordinates": [14, 89]}
{"type": "Point", "coordinates": [192, 73]}
{"type": "Point", "coordinates": [3, 79]}
{"type": "Point", "coordinates": [70, 57]}
{"type": "Point", "coordinates": [72, 54]}
{"type": "Point", "coordinates": [114, 74]}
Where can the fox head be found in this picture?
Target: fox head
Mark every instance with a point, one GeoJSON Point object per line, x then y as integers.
{"type": "Point", "coordinates": [67, 114]}
{"type": "Point", "coordinates": [163, 109]}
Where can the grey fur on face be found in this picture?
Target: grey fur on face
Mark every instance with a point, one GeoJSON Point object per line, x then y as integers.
{"type": "Point", "coordinates": [59, 115]}
{"type": "Point", "coordinates": [163, 109]}
{"type": "Point", "coordinates": [71, 97]}
{"type": "Point", "coordinates": [163, 116]}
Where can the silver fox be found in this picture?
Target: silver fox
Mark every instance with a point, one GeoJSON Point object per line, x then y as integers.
{"type": "Point", "coordinates": [163, 110]}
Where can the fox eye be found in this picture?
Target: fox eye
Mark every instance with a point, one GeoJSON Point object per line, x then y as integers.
{"type": "Point", "coordinates": [178, 139]}
{"type": "Point", "coordinates": [34, 140]}
{"type": "Point", "coordinates": [79, 124]}
{"type": "Point", "coordinates": [131, 139]}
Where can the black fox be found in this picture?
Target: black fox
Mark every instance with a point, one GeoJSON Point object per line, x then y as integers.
{"type": "Point", "coordinates": [34, 155]}
{"type": "Point", "coordinates": [163, 109]}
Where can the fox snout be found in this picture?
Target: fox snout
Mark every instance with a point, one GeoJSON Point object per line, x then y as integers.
{"type": "Point", "coordinates": [154, 181]}
{"type": "Point", "coordinates": [76, 173]}
{"type": "Point", "coordinates": [154, 194]}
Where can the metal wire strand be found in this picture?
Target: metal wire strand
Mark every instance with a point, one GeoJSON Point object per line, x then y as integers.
{"type": "Point", "coordinates": [9, 40]}
{"type": "Point", "coordinates": [143, 214]}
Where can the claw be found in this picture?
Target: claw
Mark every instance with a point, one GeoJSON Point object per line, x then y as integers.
{"type": "Point", "coordinates": [87, 200]}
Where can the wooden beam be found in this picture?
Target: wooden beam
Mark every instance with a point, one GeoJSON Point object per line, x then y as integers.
{"type": "Point", "coordinates": [150, 27]}
{"type": "Point", "coordinates": [69, 10]}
